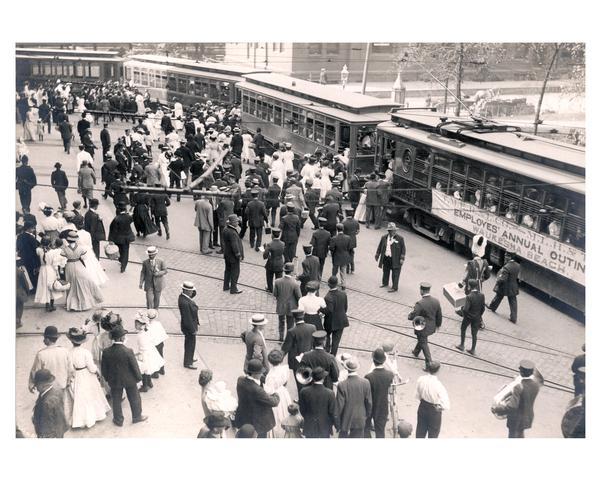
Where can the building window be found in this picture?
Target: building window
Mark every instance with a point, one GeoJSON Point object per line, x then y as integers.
{"type": "Point", "coordinates": [333, 48]}
{"type": "Point", "coordinates": [315, 48]}
{"type": "Point", "coordinates": [280, 47]}
{"type": "Point", "coordinates": [247, 50]}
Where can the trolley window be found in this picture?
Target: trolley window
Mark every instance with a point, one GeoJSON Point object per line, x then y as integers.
{"type": "Point", "coordinates": [574, 230]}
{"type": "Point", "coordinates": [277, 114]}
{"type": "Point", "coordinates": [511, 199]}
{"type": "Point", "coordinates": [79, 70]}
{"type": "Point", "coordinates": [143, 77]}
{"type": "Point", "coordinates": [35, 68]}
{"type": "Point", "coordinates": [310, 125]}
{"type": "Point", "coordinates": [440, 173]}
{"type": "Point", "coordinates": [530, 207]}
{"type": "Point", "coordinates": [422, 166]}
{"type": "Point", "coordinates": [319, 129]}
{"type": "Point", "coordinates": [330, 134]}
{"type": "Point", "coordinates": [365, 140]}
{"type": "Point", "coordinates": [344, 135]}
{"type": "Point", "coordinates": [457, 178]}
{"type": "Point", "coordinates": [493, 187]}
{"type": "Point", "coordinates": [474, 186]}
{"type": "Point", "coordinates": [48, 69]}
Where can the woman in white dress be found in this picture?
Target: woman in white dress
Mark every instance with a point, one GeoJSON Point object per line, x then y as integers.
{"type": "Point", "coordinates": [361, 209]}
{"type": "Point", "coordinates": [149, 359]}
{"type": "Point", "coordinates": [139, 101]}
{"type": "Point", "coordinates": [247, 152]}
{"type": "Point", "coordinates": [163, 165]}
{"type": "Point", "coordinates": [326, 175]}
{"type": "Point", "coordinates": [89, 402]}
{"type": "Point", "coordinates": [49, 253]}
{"type": "Point", "coordinates": [276, 382]}
{"type": "Point", "coordinates": [31, 118]}
{"type": "Point", "coordinates": [91, 262]}
{"type": "Point", "coordinates": [80, 107]}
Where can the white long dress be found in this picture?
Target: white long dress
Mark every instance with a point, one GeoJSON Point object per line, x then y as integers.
{"type": "Point", "coordinates": [276, 383]}
{"type": "Point", "coordinates": [80, 108]}
{"type": "Point", "coordinates": [48, 274]}
{"type": "Point", "coordinates": [163, 163]}
{"type": "Point", "coordinates": [91, 262]}
{"type": "Point", "coordinates": [139, 101]}
{"type": "Point", "coordinates": [246, 154]}
{"type": "Point", "coordinates": [149, 359]}
{"type": "Point", "coordinates": [89, 403]}
{"type": "Point", "coordinates": [361, 210]}
{"type": "Point", "coordinates": [326, 175]}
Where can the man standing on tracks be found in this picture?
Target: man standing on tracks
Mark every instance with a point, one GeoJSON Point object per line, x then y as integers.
{"type": "Point", "coordinates": [256, 214]}
{"type": "Point", "coordinates": [290, 231]}
{"type": "Point", "coordinates": [320, 241]}
{"type": "Point", "coordinates": [159, 203]}
{"type": "Point", "coordinates": [341, 254]}
{"type": "Point", "coordinates": [336, 318]}
{"type": "Point", "coordinates": [352, 229]}
{"type": "Point", "coordinates": [471, 312]}
{"type": "Point", "coordinates": [298, 341]}
{"type": "Point", "coordinates": [152, 278]}
{"type": "Point", "coordinates": [204, 223]}
{"type": "Point", "coordinates": [189, 322]}
{"type": "Point", "coordinates": [507, 285]}
{"type": "Point", "coordinates": [286, 291]}
{"type": "Point", "coordinates": [233, 253]}
{"type": "Point", "coordinates": [353, 402]}
{"type": "Point", "coordinates": [274, 255]}
{"type": "Point", "coordinates": [433, 401]}
{"type": "Point", "coordinates": [390, 255]}
{"type": "Point", "coordinates": [105, 140]}
{"type": "Point", "coordinates": [380, 380]}
{"type": "Point", "coordinates": [120, 233]}
{"type": "Point", "coordinates": [427, 316]}
{"type": "Point", "coordinates": [318, 357]}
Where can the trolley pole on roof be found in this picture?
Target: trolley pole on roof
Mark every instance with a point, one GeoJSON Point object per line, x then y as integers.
{"type": "Point", "coordinates": [365, 70]}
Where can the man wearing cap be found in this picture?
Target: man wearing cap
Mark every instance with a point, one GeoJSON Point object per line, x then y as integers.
{"type": "Point", "coordinates": [290, 231]}
{"type": "Point", "coordinates": [433, 401]}
{"type": "Point", "coordinates": [298, 341]}
{"type": "Point", "coordinates": [318, 357]}
{"type": "Point", "coordinates": [159, 203]}
{"type": "Point", "coordinates": [256, 214]}
{"type": "Point", "coordinates": [93, 224]}
{"type": "Point", "coordinates": [255, 406]}
{"type": "Point", "coordinates": [204, 223]}
{"type": "Point", "coordinates": [49, 419]}
{"type": "Point", "coordinates": [353, 402]}
{"type": "Point", "coordinates": [256, 347]}
{"type": "Point", "coordinates": [332, 213]}
{"type": "Point", "coordinates": [380, 380]}
{"type": "Point", "coordinates": [188, 310]}
{"type": "Point", "coordinates": [311, 269]}
{"type": "Point", "coordinates": [152, 277]}
{"type": "Point", "coordinates": [507, 285]}
{"type": "Point", "coordinates": [120, 233]}
{"type": "Point", "coordinates": [390, 255]}
{"type": "Point", "coordinates": [105, 140]}
{"type": "Point", "coordinates": [52, 357]}
{"type": "Point", "coordinates": [233, 254]}
{"type": "Point", "coordinates": [336, 318]}
{"type": "Point", "coordinates": [286, 291]}
{"type": "Point", "coordinates": [272, 199]}
{"type": "Point", "coordinates": [320, 241]}
{"type": "Point", "coordinates": [224, 211]}
{"type": "Point", "coordinates": [355, 189]}
{"type": "Point", "coordinates": [471, 312]}
{"type": "Point", "coordinates": [121, 371]}
{"type": "Point", "coordinates": [296, 194]}
{"type": "Point", "coordinates": [341, 254]}
{"type": "Point", "coordinates": [430, 312]}
{"type": "Point", "coordinates": [274, 255]}
{"type": "Point", "coordinates": [352, 229]}
{"type": "Point", "coordinates": [60, 183]}
{"type": "Point", "coordinates": [317, 406]}
{"type": "Point", "coordinates": [518, 406]}
{"type": "Point", "coordinates": [311, 200]}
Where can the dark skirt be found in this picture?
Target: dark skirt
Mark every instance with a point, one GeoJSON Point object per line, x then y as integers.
{"type": "Point", "coordinates": [314, 320]}
{"type": "Point", "coordinates": [143, 221]}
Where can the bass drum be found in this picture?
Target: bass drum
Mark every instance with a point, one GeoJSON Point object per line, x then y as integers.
{"type": "Point", "coordinates": [573, 421]}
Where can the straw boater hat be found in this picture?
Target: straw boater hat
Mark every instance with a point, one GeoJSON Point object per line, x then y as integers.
{"type": "Point", "coordinates": [72, 235]}
{"type": "Point", "coordinates": [151, 250]}
{"type": "Point", "coordinates": [342, 358]}
{"type": "Point", "coordinates": [76, 335]}
{"type": "Point", "coordinates": [187, 285]}
{"type": "Point", "coordinates": [258, 319]}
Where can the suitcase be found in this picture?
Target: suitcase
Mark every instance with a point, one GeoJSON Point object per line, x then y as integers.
{"type": "Point", "coordinates": [455, 295]}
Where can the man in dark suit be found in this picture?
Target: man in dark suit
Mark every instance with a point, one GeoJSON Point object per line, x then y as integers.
{"type": "Point", "coordinates": [259, 141]}
{"type": "Point", "coordinates": [254, 339]}
{"type": "Point", "coordinates": [286, 291]}
{"type": "Point", "coordinates": [332, 213]}
{"type": "Point", "coordinates": [256, 214]}
{"type": "Point", "coordinates": [255, 406]}
{"type": "Point", "coordinates": [60, 183]}
{"type": "Point", "coordinates": [390, 255]}
{"type": "Point", "coordinates": [49, 418]}
{"type": "Point", "coordinates": [83, 125]}
{"type": "Point", "coordinates": [341, 254]}
{"type": "Point", "coordinates": [274, 255]}
{"type": "Point", "coordinates": [471, 312]}
{"type": "Point", "coordinates": [507, 285]}
{"type": "Point", "coordinates": [26, 180]}
{"type": "Point", "coordinates": [427, 316]}
{"type": "Point", "coordinates": [519, 408]}
{"type": "Point", "coordinates": [317, 407]}
{"type": "Point", "coordinates": [105, 140]}
{"type": "Point", "coordinates": [298, 340]}
{"type": "Point", "coordinates": [120, 233]}
{"type": "Point", "coordinates": [354, 185]}
{"type": "Point", "coordinates": [152, 278]}
{"type": "Point", "coordinates": [372, 201]}
{"type": "Point", "coordinates": [189, 322]}
{"type": "Point", "coordinates": [159, 203]}
{"type": "Point", "coordinates": [311, 269]}
{"type": "Point", "coordinates": [93, 224]}
{"type": "Point", "coordinates": [223, 212]}
{"type": "Point", "coordinates": [233, 253]}
{"type": "Point", "coordinates": [336, 318]}
{"type": "Point", "coordinates": [352, 229]}
{"type": "Point", "coordinates": [26, 246]}
{"type": "Point", "coordinates": [320, 241]}
{"type": "Point", "coordinates": [353, 402]}
{"type": "Point", "coordinates": [121, 371]}
{"type": "Point", "coordinates": [380, 380]}
{"type": "Point", "coordinates": [290, 231]}
{"type": "Point", "coordinates": [318, 357]}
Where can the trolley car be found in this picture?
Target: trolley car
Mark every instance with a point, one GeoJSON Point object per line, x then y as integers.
{"type": "Point", "coordinates": [188, 80]}
{"type": "Point", "coordinates": [455, 178]}
{"type": "Point", "coordinates": [313, 116]}
{"type": "Point", "coordinates": [89, 66]}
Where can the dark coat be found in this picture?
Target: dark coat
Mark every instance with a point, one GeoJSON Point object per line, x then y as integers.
{"type": "Point", "coordinates": [49, 418]}
{"type": "Point", "coordinates": [331, 212]}
{"type": "Point", "coordinates": [341, 250]}
{"type": "Point", "coordinates": [520, 417]}
{"type": "Point", "coordinates": [26, 245]}
{"type": "Point", "coordinates": [274, 255]}
{"type": "Point", "coordinates": [380, 380]}
{"type": "Point", "coordinates": [352, 229]}
{"type": "Point", "coordinates": [290, 228]}
{"type": "Point", "coordinates": [320, 358]}
{"type": "Point", "coordinates": [93, 224]}
{"type": "Point", "coordinates": [105, 138]}
{"type": "Point", "coordinates": [298, 340]}
{"type": "Point", "coordinates": [317, 406]}
{"type": "Point", "coordinates": [337, 306]}
{"type": "Point", "coordinates": [383, 192]}
{"type": "Point", "coordinates": [372, 199]}
{"type": "Point", "coordinates": [355, 189]}
{"type": "Point", "coordinates": [59, 180]}
{"type": "Point", "coordinates": [189, 314]}
{"type": "Point", "coordinates": [223, 210]}
{"type": "Point", "coordinates": [353, 402]}
{"type": "Point", "coordinates": [398, 251]}
{"type": "Point", "coordinates": [26, 179]}
{"type": "Point", "coordinates": [507, 282]}
{"type": "Point", "coordinates": [236, 168]}
{"type": "Point", "coordinates": [310, 270]}
{"type": "Point", "coordinates": [256, 213]}
{"type": "Point", "coordinates": [255, 406]}
{"type": "Point", "coordinates": [120, 231]}
{"type": "Point", "coordinates": [119, 366]}
{"type": "Point", "coordinates": [320, 242]}
{"type": "Point", "coordinates": [474, 307]}
{"type": "Point", "coordinates": [233, 250]}
{"type": "Point", "coordinates": [255, 348]}
{"type": "Point", "coordinates": [272, 198]}
{"type": "Point", "coordinates": [428, 308]}
{"type": "Point", "coordinates": [311, 198]}
{"type": "Point", "coordinates": [237, 144]}
{"type": "Point", "coordinates": [287, 292]}
{"type": "Point", "coordinates": [159, 203]}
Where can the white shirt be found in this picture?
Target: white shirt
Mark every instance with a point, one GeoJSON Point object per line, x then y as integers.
{"type": "Point", "coordinates": [288, 160]}
{"type": "Point", "coordinates": [311, 304]}
{"type": "Point", "coordinates": [430, 389]}
{"type": "Point", "coordinates": [83, 155]}
{"type": "Point", "coordinates": [388, 246]}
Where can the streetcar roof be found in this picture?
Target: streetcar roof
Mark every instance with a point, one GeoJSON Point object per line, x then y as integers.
{"type": "Point", "coordinates": [193, 64]}
{"type": "Point", "coordinates": [373, 117]}
{"type": "Point", "coordinates": [184, 71]}
{"type": "Point", "coordinates": [329, 94]}
{"type": "Point", "coordinates": [523, 142]}
{"type": "Point", "coordinates": [543, 173]}
{"type": "Point", "coordinates": [83, 59]}
{"type": "Point", "coordinates": [60, 52]}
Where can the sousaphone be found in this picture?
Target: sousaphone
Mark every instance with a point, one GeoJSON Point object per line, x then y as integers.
{"type": "Point", "coordinates": [304, 375]}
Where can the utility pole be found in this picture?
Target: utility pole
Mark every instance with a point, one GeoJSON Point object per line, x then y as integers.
{"type": "Point", "coordinates": [459, 76]}
{"type": "Point", "coordinates": [365, 70]}
{"type": "Point", "coordinates": [254, 63]}
{"type": "Point", "coordinates": [266, 55]}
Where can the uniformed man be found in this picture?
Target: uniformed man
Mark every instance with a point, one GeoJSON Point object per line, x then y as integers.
{"type": "Point", "coordinates": [320, 241]}
{"type": "Point", "coordinates": [352, 229]}
{"type": "Point", "coordinates": [507, 285]}
{"type": "Point", "coordinates": [471, 312]}
{"type": "Point", "coordinates": [311, 268]}
{"type": "Point", "coordinates": [318, 357]}
{"type": "Point", "coordinates": [290, 231]}
{"type": "Point", "coordinates": [427, 317]}
{"type": "Point", "coordinates": [274, 255]}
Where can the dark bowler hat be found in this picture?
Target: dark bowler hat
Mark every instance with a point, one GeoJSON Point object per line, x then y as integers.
{"type": "Point", "coordinates": [255, 366]}
{"type": "Point", "coordinates": [349, 212]}
{"type": "Point", "coordinates": [43, 376]}
{"type": "Point", "coordinates": [57, 165]}
{"type": "Point", "coordinates": [379, 356]}
{"type": "Point", "coordinates": [276, 230]}
{"type": "Point", "coordinates": [307, 248]}
{"type": "Point", "coordinates": [298, 313]}
{"type": "Point", "coordinates": [319, 373]}
{"type": "Point", "coordinates": [51, 332]}
{"type": "Point", "coordinates": [473, 283]}
{"type": "Point", "coordinates": [117, 332]}
{"type": "Point", "coordinates": [433, 366]}
{"type": "Point", "coordinates": [332, 282]}
{"type": "Point", "coordinates": [288, 267]}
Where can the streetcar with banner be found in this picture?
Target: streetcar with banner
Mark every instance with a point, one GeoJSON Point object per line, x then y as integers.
{"type": "Point", "coordinates": [455, 178]}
